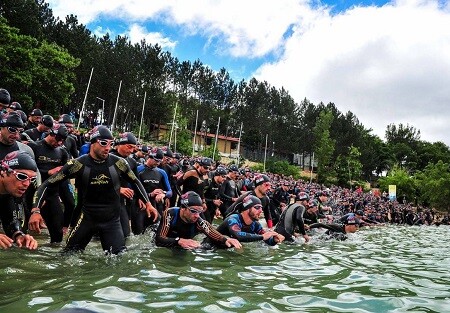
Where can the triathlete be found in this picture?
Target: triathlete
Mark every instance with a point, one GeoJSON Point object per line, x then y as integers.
{"type": "Point", "coordinates": [97, 177]}
{"type": "Point", "coordinates": [17, 172]}
{"type": "Point", "coordinates": [212, 193]}
{"type": "Point", "coordinates": [40, 131]}
{"type": "Point", "coordinates": [291, 221]}
{"type": "Point", "coordinates": [156, 184]}
{"type": "Point", "coordinates": [338, 231]}
{"type": "Point", "coordinates": [179, 225]}
{"type": "Point", "coordinates": [124, 147]}
{"type": "Point", "coordinates": [34, 119]}
{"type": "Point", "coordinates": [228, 191]}
{"type": "Point", "coordinates": [50, 158]}
{"type": "Point", "coordinates": [245, 226]}
{"type": "Point", "coordinates": [262, 186]}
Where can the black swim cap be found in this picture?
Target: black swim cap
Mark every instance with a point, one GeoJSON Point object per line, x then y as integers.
{"type": "Point", "coordinates": [261, 179]}
{"type": "Point", "coordinates": [302, 196]}
{"type": "Point", "coordinates": [191, 198]}
{"type": "Point", "coordinates": [167, 152]}
{"type": "Point", "coordinates": [47, 120]}
{"type": "Point", "coordinates": [126, 138]}
{"type": "Point", "coordinates": [19, 160]}
{"type": "Point", "coordinates": [250, 201]}
{"type": "Point", "coordinates": [101, 132]}
{"type": "Point", "coordinates": [5, 97]}
{"type": "Point", "coordinates": [65, 118]}
{"type": "Point", "coordinates": [220, 171]}
{"type": "Point", "coordinates": [205, 162]}
{"type": "Point", "coordinates": [233, 168]}
{"type": "Point", "coordinates": [36, 112]}
{"type": "Point", "coordinates": [156, 154]}
{"type": "Point", "coordinates": [59, 130]}
{"type": "Point", "coordinates": [15, 106]}
{"type": "Point", "coordinates": [12, 119]}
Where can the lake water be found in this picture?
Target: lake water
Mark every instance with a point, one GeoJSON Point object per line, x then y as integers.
{"type": "Point", "coordinates": [381, 269]}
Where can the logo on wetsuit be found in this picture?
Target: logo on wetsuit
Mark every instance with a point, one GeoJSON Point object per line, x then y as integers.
{"type": "Point", "coordinates": [101, 179]}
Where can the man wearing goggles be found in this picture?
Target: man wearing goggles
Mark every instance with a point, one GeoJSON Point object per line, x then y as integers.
{"type": "Point", "coordinates": [245, 226]}
{"type": "Point", "coordinates": [11, 126]}
{"type": "Point", "coordinates": [17, 172]}
{"type": "Point", "coordinates": [179, 226]}
{"type": "Point", "coordinates": [125, 145]}
{"type": "Point", "coordinates": [97, 176]}
{"type": "Point", "coordinates": [51, 157]}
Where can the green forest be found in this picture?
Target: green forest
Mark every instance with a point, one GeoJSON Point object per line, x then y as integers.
{"type": "Point", "coordinates": [46, 62]}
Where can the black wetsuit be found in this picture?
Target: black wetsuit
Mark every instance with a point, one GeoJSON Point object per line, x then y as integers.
{"type": "Point", "coordinates": [172, 226]}
{"type": "Point", "coordinates": [47, 158]}
{"type": "Point", "coordinates": [151, 179]}
{"type": "Point", "coordinates": [235, 227]}
{"type": "Point", "coordinates": [98, 184]}
{"type": "Point", "coordinates": [34, 134]}
{"type": "Point", "coordinates": [334, 231]}
{"type": "Point", "coordinates": [12, 215]}
{"type": "Point", "coordinates": [211, 194]}
{"type": "Point", "coordinates": [290, 219]}
{"type": "Point", "coordinates": [127, 205]}
{"type": "Point", "coordinates": [227, 191]}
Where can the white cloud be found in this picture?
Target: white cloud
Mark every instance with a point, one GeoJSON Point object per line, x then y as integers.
{"type": "Point", "coordinates": [136, 33]}
{"type": "Point", "coordinates": [386, 65]}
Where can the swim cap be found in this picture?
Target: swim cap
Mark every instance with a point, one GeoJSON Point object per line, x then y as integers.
{"type": "Point", "coordinates": [302, 196]}
{"type": "Point", "coordinates": [47, 120]}
{"type": "Point", "coordinates": [15, 106]}
{"type": "Point", "coordinates": [220, 171]}
{"type": "Point", "coordinates": [126, 138]}
{"type": "Point", "coordinates": [65, 118]}
{"type": "Point", "coordinates": [204, 161]}
{"type": "Point", "coordinates": [18, 160]}
{"type": "Point", "coordinates": [191, 198]}
{"type": "Point", "coordinates": [100, 132]}
{"type": "Point", "coordinates": [11, 119]}
{"type": "Point", "coordinates": [156, 154]}
{"type": "Point", "coordinates": [5, 97]}
{"type": "Point", "coordinates": [59, 130]}
{"type": "Point", "coordinates": [261, 179]}
{"type": "Point", "coordinates": [36, 112]}
{"type": "Point", "coordinates": [167, 152]}
{"type": "Point", "coordinates": [359, 212]}
{"type": "Point", "coordinates": [250, 201]}
{"type": "Point", "coordinates": [233, 168]}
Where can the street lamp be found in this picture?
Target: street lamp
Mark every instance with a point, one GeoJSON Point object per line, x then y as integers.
{"type": "Point", "coordinates": [103, 110]}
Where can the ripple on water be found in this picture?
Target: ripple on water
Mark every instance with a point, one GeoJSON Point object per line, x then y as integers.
{"type": "Point", "coordinates": [113, 293]}
{"type": "Point", "coordinates": [100, 307]}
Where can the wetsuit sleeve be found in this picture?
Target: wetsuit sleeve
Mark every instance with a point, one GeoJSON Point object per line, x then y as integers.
{"type": "Point", "coordinates": [223, 190]}
{"type": "Point", "coordinates": [162, 233]}
{"type": "Point", "coordinates": [235, 231]}
{"type": "Point", "coordinates": [166, 183]}
{"type": "Point", "coordinates": [299, 219]}
{"type": "Point", "coordinates": [69, 170]}
{"type": "Point", "coordinates": [206, 228]}
{"type": "Point", "coordinates": [129, 176]}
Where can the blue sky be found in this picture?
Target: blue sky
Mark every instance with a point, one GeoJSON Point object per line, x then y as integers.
{"type": "Point", "coordinates": [387, 62]}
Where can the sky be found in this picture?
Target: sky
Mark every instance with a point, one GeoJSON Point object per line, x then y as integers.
{"type": "Point", "coordinates": [386, 62]}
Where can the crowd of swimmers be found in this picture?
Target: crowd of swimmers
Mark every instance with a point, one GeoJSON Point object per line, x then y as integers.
{"type": "Point", "coordinates": [126, 188]}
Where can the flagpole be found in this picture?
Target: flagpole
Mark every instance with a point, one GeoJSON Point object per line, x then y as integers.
{"type": "Point", "coordinates": [115, 110]}
{"type": "Point", "coordinates": [84, 101]}
{"type": "Point", "coordinates": [312, 167]}
{"type": "Point", "coordinates": [173, 123]}
{"type": "Point", "coordinates": [215, 143]}
{"type": "Point", "coordinates": [239, 145]}
{"type": "Point", "coordinates": [195, 134]}
{"type": "Point", "coordinates": [265, 154]}
{"type": "Point", "coordinates": [142, 116]}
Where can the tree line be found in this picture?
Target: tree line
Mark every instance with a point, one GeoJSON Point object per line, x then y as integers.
{"type": "Point", "coordinates": [46, 63]}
